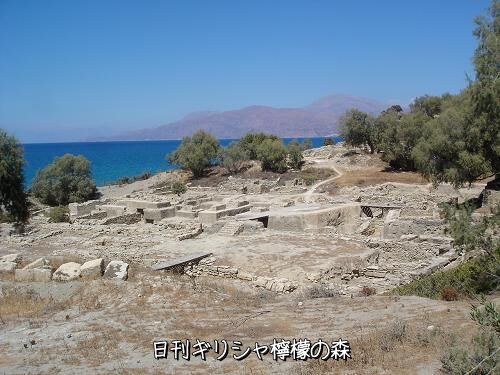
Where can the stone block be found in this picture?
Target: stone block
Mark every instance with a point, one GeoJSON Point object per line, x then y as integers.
{"type": "Point", "coordinates": [92, 269]}
{"type": "Point", "coordinates": [42, 275]}
{"type": "Point", "coordinates": [80, 209]}
{"type": "Point", "coordinates": [157, 214]}
{"type": "Point", "coordinates": [39, 263]}
{"type": "Point", "coordinates": [245, 276]}
{"type": "Point", "coordinates": [117, 269]}
{"type": "Point", "coordinates": [7, 269]}
{"type": "Point", "coordinates": [24, 275]}
{"type": "Point", "coordinates": [375, 274]}
{"type": "Point", "coordinates": [67, 272]}
{"type": "Point", "coordinates": [187, 214]}
{"type": "Point", "coordinates": [113, 210]}
{"type": "Point", "coordinates": [218, 207]}
{"type": "Point", "coordinates": [134, 205]}
{"type": "Point", "coordinates": [16, 258]}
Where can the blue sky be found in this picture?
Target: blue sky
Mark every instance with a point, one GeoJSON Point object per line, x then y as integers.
{"type": "Point", "coordinates": [71, 69]}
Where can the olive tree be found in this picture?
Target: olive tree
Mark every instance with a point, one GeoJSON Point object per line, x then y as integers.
{"type": "Point", "coordinates": [272, 154]}
{"type": "Point", "coordinates": [232, 157]}
{"type": "Point", "coordinates": [66, 180]}
{"type": "Point", "coordinates": [196, 153]}
{"type": "Point", "coordinates": [358, 129]}
{"type": "Point", "coordinates": [12, 196]}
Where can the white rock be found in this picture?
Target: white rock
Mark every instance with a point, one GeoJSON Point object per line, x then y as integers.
{"type": "Point", "coordinates": [92, 269]}
{"type": "Point", "coordinates": [7, 268]}
{"type": "Point", "coordinates": [67, 272]}
{"type": "Point", "coordinates": [42, 275]}
{"type": "Point", "coordinates": [11, 258]}
{"type": "Point", "coordinates": [24, 275]}
{"type": "Point", "coordinates": [34, 275]}
{"type": "Point", "coordinates": [116, 269]}
{"type": "Point", "coordinates": [39, 263]}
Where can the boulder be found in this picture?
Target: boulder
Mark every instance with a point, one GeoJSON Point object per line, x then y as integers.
{"type": "Point", "coordinates": [92, 269]}
{"type": "Point", "coordinates": [116, 269]}
{"type": "Point", "coordinates": [67, 272]}
{"type": "Point", "coordinates": [7, 269]}
{"type": "Point", "coordinates": [39, 263]}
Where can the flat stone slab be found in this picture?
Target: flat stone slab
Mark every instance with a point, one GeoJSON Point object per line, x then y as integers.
{"type": "Point", "coordinates": [179, 261]}
{"type": "Point", "coordinates": [116, 269]}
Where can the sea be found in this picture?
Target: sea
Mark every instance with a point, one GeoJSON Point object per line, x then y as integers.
{"type": "Point", "coordinates": [112, 160]}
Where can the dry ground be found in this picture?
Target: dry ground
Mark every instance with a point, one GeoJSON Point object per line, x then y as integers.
{"type": "Point", "coordinates": [103, 327]}
{"type": "Point", "coordinates": [373, 176]}
{"type": "Point", "coordinates": [107, 327]}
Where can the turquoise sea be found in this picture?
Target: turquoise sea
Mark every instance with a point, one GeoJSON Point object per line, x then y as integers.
{"type": "Point", "coordinates": [110, 160]}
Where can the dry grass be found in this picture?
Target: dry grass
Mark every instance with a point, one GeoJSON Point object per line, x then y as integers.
{"type": "Point", "coordinates": [16, 303]}
{"type": "Point", "coordinates": [374, 176]}
{"type": "Point", "coordinates": [398, 349]}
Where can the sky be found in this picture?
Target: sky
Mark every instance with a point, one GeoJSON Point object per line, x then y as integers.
{"type": "Point", "coordinates": [70, 69]}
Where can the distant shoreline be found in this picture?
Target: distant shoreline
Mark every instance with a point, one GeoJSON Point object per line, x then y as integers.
{"type": "Point", "coordinates": [113, 160]}
{"type": "Point", "coordinates": [160, 140]}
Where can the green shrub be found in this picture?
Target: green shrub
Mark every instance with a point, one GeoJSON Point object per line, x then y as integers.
{"type": "Point", "coordinates": [251, 142]}
{"type": "Point", "coordinates": [471, 277]}
{"type": "Point", "coordinates": [196, 153]}
{"type": "Point", "coordinates": [295, 157]}
{"type": "Point", "coordinates": [482, 356]}
{"type": "Point", "coordinates": [59, 214]}
{"type": "Point", "coordinates": [232, 157]}
{"type": "Point", "coordinates": [67, 179]}
{"type": "Point", "coordinates": [179, 188]}
{"type": "Point", "coordinates": [272, 154]}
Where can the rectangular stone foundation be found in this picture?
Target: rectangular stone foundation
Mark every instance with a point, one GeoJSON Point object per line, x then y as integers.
{"type": "Point", "coordinates": [210, 217]}
{"type": "Point", "coordinates": [154, 215]}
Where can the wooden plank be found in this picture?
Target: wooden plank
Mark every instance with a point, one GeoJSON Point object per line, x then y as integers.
{"type": "Point", "coordinates": [165, 265]}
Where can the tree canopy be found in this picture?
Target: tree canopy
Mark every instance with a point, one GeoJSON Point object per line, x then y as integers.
{"type": "Point", "coordinates": [196, 153]}
{"type": "Point", "coordinates": [66, 180]}
{"type": "Point", "coordinates": [12, 195]}
{"type": "Point", "coordinates": [448, 138]}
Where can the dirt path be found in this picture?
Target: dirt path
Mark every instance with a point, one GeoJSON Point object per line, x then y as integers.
{"type": "Point", "coordinates": [322, 164]}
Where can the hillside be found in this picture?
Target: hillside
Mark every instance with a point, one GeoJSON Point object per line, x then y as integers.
{"type": "Point", "coordinates": [320, 118]}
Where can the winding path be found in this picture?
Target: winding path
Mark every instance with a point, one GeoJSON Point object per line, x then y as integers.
{"type": "Point", "coordinates": [308, 194]}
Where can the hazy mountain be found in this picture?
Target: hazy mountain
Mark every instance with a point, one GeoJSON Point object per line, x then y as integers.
{"type": "Point", "coordinates": [315, 120]}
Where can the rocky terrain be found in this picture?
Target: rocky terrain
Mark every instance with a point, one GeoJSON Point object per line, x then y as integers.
{"type": "Point", "coordinates": [248, 260]}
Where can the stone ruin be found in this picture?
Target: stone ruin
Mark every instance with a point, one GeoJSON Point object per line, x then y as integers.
{"type": "Point", "coordinates": [400, 226]}
{"type": "Point", "coordinates": [41, 270]}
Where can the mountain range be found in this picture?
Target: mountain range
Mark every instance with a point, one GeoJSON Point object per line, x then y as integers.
{"type": "Point", "coordinates": [318, 119]}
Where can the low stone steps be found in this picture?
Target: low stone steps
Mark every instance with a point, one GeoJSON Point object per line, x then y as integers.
{"type": "Point", "coordinates": [231, 228]}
